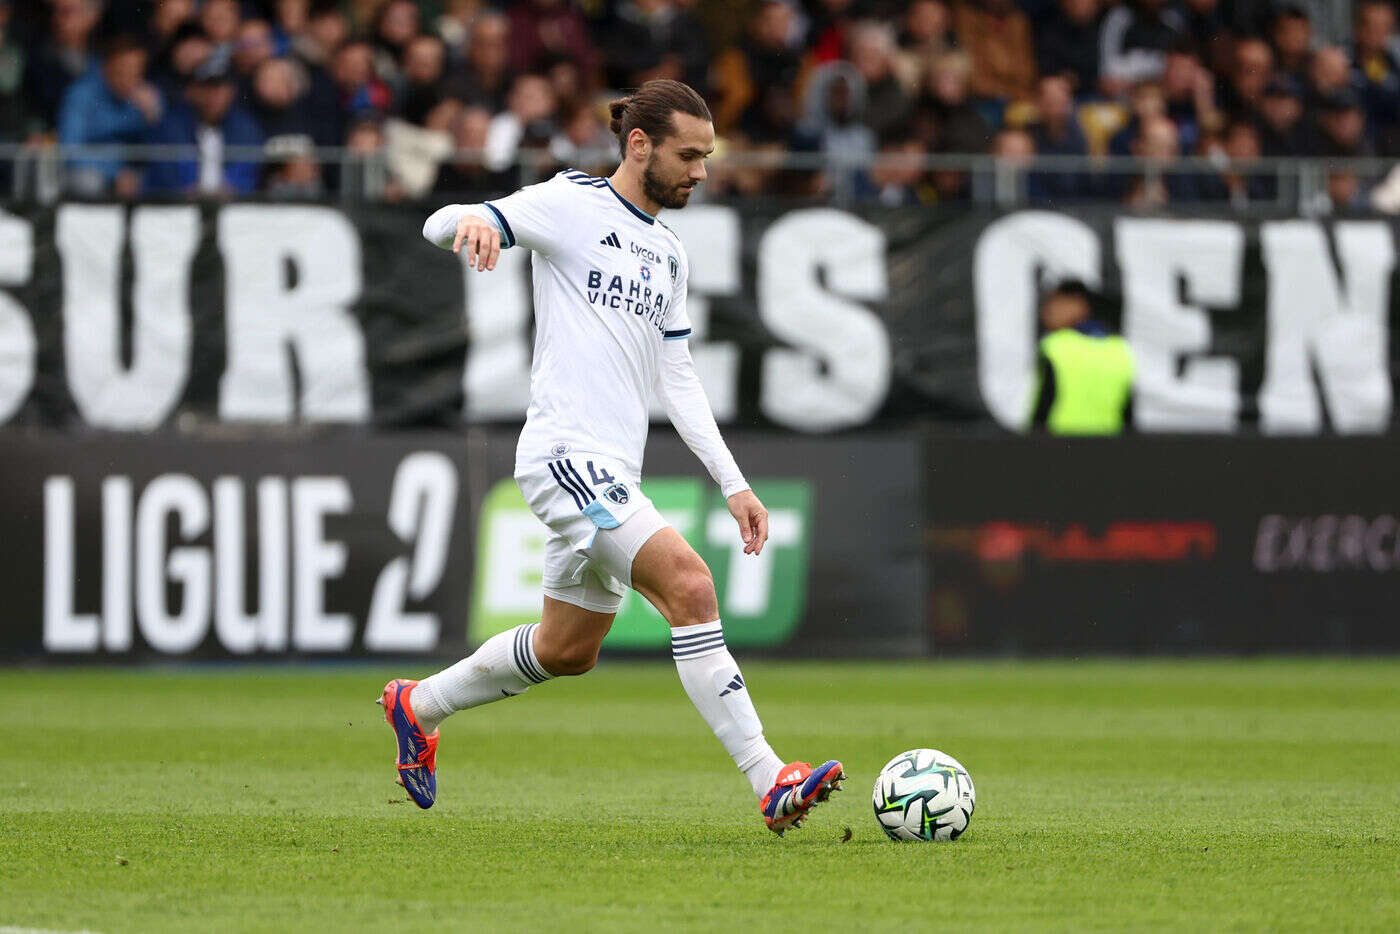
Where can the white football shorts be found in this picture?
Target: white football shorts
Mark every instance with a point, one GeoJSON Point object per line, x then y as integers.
{"type": "Point", "coordinates": [598, 520]}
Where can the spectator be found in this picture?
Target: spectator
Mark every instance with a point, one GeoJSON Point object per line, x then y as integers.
{"type": "Point", "coordinates": [487, 78]}
{"type": "Point", "coordinates": [255, 45]}
{"type": "Point", "coordinates": [1148, 100]}
{"type": "Point", "coordinates": [542, 31]}
{"type": "Point", "coordinates": [1136, 37]}
{"type": "Point", "coordinates": [896, 178]}
{"type": "Point", "coordinates": [362, 93]}
{"type": "Point", "coordinates": [421, 90]}
{"type": "Point", "coordinates": [872, 53]}
{"type": "Point", "coordinates": [1056, 132]}
{"type": "Point", "coordinates": [831, 22]}
{"type": "Point", "coordinates": [62, 57]}
{"type": "Point", "coordinates": [291, 19]}
{"type": "Point", "coordinates": [1086, 371]}
{"type": "Point", "coordinates": [209, 119]}
{"type": "Point", "coordinates": [395, 26]}
{"type": "Point", "coordinates": [946, 119]}
{"type": "Point", "coordinates": [189, 49]}
{"type": "Point", "coordinates": [1205, 27]}
{"type": "Point", "coordinates": [1283, 132]}
{"type": "Point", "coordinates": [292, 170]}
{"type": "Point", "coordinates": [1342, 121]}
{"type": "Point", "coordinates": [582, 137]}
{"type": "Point", "coordinates": [1252, 66]}
{"type": "Point", "coordinates": [326, 30]}
{"type": "Point", "coordinates": [1157, 143]}
{"type": "Point", "coordinates": [16, 123]}
{"type": "Point", "coordinates": [280, 104]}
{"type": "Point", "coordinates": [927, 34]}
{"type": "Point", "coordinates": [833, 121]}
{"type": "Point", "coordinates": [997, 36]}
{"type": "Point", "coordinates": [1330, 72]}
{"type": "Point", "coordinates": [532, 107]}
{"type": "Point", "coordinates": [220, 20]}
{"type": "Point", "coordinates": [455, 25]}
{"type": "Point", "coordinates": [1239, 182]}
{"type": "Point", "coordinates": [115, 104]}
{"type": "Point", "coordinates": [755, 82]}
{"type": "Point", "coordinates": [655, 39]}
{"type": "Point", "coordinates": [1376, 70]}
{"type": "Point", "coordinates": [1067, 42]}
{"type": "Point", "coordinates": [169, 18]}
{"type": "Point", "coordinates": [1188, 91]}
{"type": "Point", "coordinates": [1291, 34]}
{"type": "Point", "coordinates": [466, 170]}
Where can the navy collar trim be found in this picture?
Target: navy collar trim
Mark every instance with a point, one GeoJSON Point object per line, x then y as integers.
{"type": "Point", "coordinates": [641, 215]}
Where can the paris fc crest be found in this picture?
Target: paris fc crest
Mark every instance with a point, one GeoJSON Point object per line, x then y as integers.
{"type": "Point", "coordinates": [617, 493]}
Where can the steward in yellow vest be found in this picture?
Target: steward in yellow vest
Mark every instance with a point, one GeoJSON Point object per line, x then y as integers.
{"type": "Point", "coordinates": [1086, 371]}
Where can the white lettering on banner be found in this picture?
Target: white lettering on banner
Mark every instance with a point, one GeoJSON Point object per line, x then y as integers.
{"type": "Point", "coordinates": [165, 631]}
{"type": "Point", "coordinates": [712, 238]}
{"type": "Point", "coordinates": [1337, 327]}
{"type": "Point", "coordinates": [750, 577]}
{"type": "Point", "coordinates": [18, 346]}
{"type": "Point", "coordinates": [267, 316]}
{"type": "Point", "coordinates": [294, 560]}
{"type": "Point", "coordinates": [316, 561]}
{"type": "Point", "coordinates": [64, 629]}
{"type": "Point", "coordinates": [838, 371]}
{"type": "Point", "coordinates": [420, 513]}
{"type": "Point", "coordinates": [1161, 259]}
{"type": "Point", "coordinates": [107, 392]}
{"type": "Point", "coordinates": [238, 630]}
{"type": "Point", "coordinates": [1322, 544]}
{"type": "Point", "coordinates": [496, 379]}
{"type": "Point", "coordinates": [116, 563]}
{"type": "Point", "coordinates": [1012, 258]}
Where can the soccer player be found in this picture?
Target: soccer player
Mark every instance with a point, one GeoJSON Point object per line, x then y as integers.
{"type": "Point", "coordinates": [611, 325]}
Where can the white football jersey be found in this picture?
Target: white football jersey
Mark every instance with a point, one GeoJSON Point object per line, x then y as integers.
{"type": "Point", "coordinates": [609, 288]}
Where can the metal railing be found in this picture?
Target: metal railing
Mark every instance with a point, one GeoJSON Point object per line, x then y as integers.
{"type": "Point", "coordinates": [45, 174]}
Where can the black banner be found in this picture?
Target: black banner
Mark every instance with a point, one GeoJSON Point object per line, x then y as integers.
{"type": "Point", "coordinates": [1153, 544]}
{"type": "Point", "coordinates": [809, 319]}
{"type": "Point", "coordinates": [348, 543]}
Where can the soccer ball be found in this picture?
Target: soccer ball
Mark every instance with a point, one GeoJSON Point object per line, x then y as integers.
{"type": "Point", "coordinates": [924, 794]}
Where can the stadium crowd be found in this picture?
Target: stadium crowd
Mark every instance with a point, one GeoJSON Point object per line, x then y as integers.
{"type": "Point", "coordinates": [423, 81]}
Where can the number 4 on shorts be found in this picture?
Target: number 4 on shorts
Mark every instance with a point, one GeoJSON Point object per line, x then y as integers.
{"type": "Point", "coordinates": [599, 478]}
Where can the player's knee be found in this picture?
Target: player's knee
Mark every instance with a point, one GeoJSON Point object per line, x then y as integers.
{"type": "Point", "coordinates": [573, 658]}
{"type": "Point", "coordinates": [693, 598]}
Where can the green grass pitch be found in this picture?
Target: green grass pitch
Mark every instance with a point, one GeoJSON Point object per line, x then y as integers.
{"type": "Point", "coordinates": [1176, 795]}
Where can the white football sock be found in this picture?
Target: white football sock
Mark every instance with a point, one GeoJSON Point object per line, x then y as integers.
{"type": "Point", "coordinates": [717, 690]}
{"type": "Point", "coordinates": [503, 666]}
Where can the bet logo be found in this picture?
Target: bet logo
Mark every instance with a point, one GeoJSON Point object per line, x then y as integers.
{"type": "Point", "coordinates": [617, 493]}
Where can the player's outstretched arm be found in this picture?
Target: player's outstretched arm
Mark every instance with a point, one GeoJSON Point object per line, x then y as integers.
{"type": "Point", "coordinates": [461, 226]}
{"type": "Point", "coordinates": [689, 410]}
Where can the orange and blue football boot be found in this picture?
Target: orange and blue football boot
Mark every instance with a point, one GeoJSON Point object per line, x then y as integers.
{"type": "Point", "coordinates": [799, 789]}
{"type": "Point", "coordinates": [417, 760]}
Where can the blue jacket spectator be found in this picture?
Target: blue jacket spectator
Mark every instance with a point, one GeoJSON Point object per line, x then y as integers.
{"type": "Point", "coordinates": [114, 105]}
{"type": "Point", "coordinates": [208, 119]}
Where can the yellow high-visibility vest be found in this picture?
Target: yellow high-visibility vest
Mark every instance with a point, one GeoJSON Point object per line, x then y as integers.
{"type": "Point", "coordinates": [1093, 379]}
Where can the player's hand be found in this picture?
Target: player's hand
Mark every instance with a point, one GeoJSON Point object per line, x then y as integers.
{"type": "Point", "coordinates": [482, 240]}
{"type": "Point", "coordinates": [752, 519]}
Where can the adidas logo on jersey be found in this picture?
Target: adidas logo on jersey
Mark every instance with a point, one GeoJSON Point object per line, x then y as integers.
{"type": "Point", "coordinates": [611, 240]}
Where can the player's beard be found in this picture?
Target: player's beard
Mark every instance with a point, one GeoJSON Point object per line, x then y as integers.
{"type": "Point", "coordinates": [667, 194]}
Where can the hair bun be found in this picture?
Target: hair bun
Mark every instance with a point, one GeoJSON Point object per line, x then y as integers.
{"type": "Point", "coordinates": [617, 109]}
